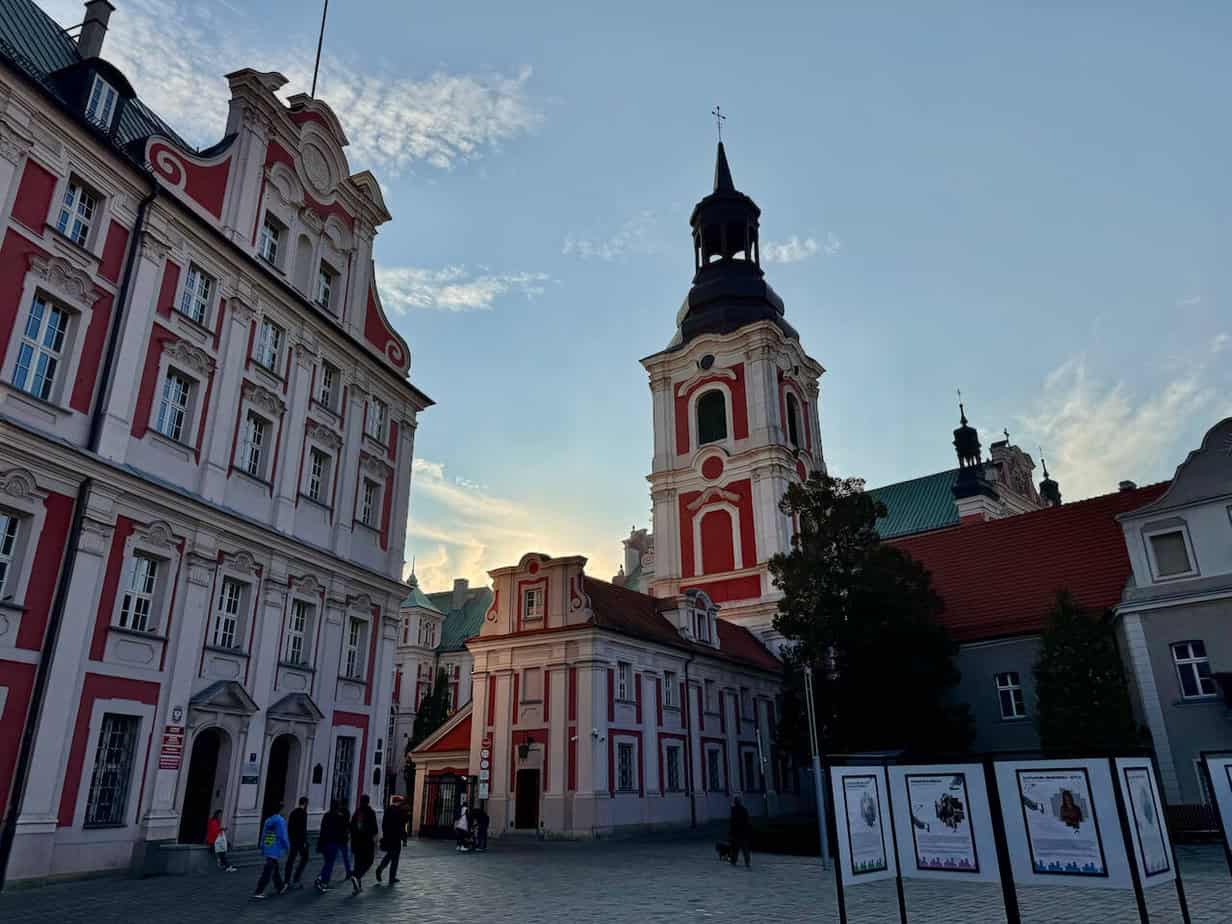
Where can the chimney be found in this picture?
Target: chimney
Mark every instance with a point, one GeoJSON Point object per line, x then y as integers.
{"type": "Point", "coordinates": [94, 29]}
{"type": "Point", "coordinates": [1127, 486]}
{"type": "Point", "coordinates": [458, 600]}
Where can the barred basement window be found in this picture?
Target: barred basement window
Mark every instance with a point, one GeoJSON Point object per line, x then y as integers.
{"type": "Point", "coordinates": [1009, 692]}
{"type": "Point", "coordinates": [107, 803]}
{"type": "Point", "coordinates": [625, 779]}
{"type": "Point", "coordinates": [8, 546]}
{"type": "Point", "coordinates": [344, 769]}
{"type": "Point", "coordinates": [138, 602]}
{"type": "Point", "coordinates": [671, 768]}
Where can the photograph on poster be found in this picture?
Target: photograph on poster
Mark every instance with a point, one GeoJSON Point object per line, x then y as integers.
{"type": "Point", "coordinates": [941, 822]}
{"type": "Point", "coordinates": [1062, 830]}
{"type": "Point", "coordinates": [1144, 809]}
{"type": "Point", "coordinates": [865, 826]}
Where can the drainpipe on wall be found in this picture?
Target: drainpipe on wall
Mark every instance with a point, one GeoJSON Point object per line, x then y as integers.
{"type": "Point", "coordinates": [688, 732]}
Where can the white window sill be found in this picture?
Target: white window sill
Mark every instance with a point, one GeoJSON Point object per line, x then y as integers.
{"type": "Point", "coordinates": [316, 503]}
{"type": "Point", "coordinates": [182, 449]}
{"type": "Point", "coordinates": [254, 478]}
{"type": "Point", "coordinates": [271, 376]}
{"type": "Point", "coordinates": [233, 652]}
{"type": "Point", "coordinates": [150, 634]}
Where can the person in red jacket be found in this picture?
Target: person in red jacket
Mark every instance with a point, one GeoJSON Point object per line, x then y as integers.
{"type": "Point", "coordinates": [216, 840]}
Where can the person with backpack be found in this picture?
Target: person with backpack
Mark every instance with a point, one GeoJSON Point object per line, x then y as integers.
{"type": "Point", "coordinates": [393, 834]}
{"type": "Point", "coordinates": [297, 831]}
{"type": "Point", "coordinates": [333, 842]}
{"type": "Point", "coordinates": [274, 843]}
{"type": "Point", "coordinates": [216, 839]}
{"type": "Point", "coordinates": [364, 830]}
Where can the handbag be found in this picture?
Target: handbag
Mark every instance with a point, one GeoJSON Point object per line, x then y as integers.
{"type": "Point", "coordinates": [220, 843]}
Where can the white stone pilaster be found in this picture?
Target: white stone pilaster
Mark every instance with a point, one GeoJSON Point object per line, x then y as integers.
{"type": "Point", "coordinates": [292, 439]}
{"type": "Point", "coordinates": [229, 375]}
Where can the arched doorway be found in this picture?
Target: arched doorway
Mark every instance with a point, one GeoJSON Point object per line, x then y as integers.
{"type": "Point", "coordinates": [204, 789]}
{"type": "Point", "coordinates": [281, 774]}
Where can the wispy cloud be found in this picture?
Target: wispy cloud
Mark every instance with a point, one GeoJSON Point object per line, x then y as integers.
{"type": "Point", "coordinates": [453, 288]}
{"type": "Point", "coordinates": [393, 121]}
{"type": "Point", "coordinates": [637, 235]}
{"type": "Point", "coordinates": [1097, 433]}
{"type": "Point", "coordinates": [1188, 301]}
{"type": "Point", "coordinates": [795, 249]}
{"type": "Point", "coordinates": [460, 529]}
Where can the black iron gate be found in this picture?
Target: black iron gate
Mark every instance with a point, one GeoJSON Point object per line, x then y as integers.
{"type": "Point", "coordinates": [443, 798]}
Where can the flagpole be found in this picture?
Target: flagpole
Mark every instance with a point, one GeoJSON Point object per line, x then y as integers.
{"type": "Point", "coordinates": [818, 790]}
{"type": "Point", "coordinates": [320, 40]}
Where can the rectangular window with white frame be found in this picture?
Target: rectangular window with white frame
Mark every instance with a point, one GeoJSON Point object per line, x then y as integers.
{"type": "Point", "coordinates": [369, 503]}
{"type": "Point", "coordinates": [77, 211]}
{"type": "Point", "coordinates": [112, 776]}
{"type": "Point", "coordinates": [353, 656]}
{"type": "Point", "coordinates": [670, 689]}
{"type": "Point", "coordinates": [317, 476]}
{"type": "Point", "coordinates": [195, 299]}
{"type": "Point", "coordinates": [1009, 695]}
{"type": "Point", "coordinates": [1170, 553]}
{"type": "Point", "coordinates": [624, 681]}
{"type": "Point", "coordinates": [100, 106]}
{"type": "Point", "coordinates": [751, 772]}
{"type": "Point", "coordinates": [268, 349]}
{"type": "Point", "coordinates": [137, 604]}
{"type": "Point", "coordinates": [173, 406]}
{"type": "Point", "coordinates": [9, 527]}
{"type": "Point", "coordinates": [269, 242]}
{"type": "Point", "coordinates": [673, 778]}
{"type": "Point", "coordinates": [626, 766]}
{"type": "Point", "coordinates": [374, 421]}
{"type": "Point", "coordinates": [1193, 670]}
{"type": "Point", "coordinates": [253, 445]}
{"type": "Point", "coordinates": [228, 614]}
{"type": "Point", "coordinates": [327, 387]}
{"type": "Point", "coordinates": [41, 350]}
{"type": "Point", "coordinates": [701, 625]}
{"type": "Point", "coordinates": [299, 632]}
{"type": "Point", "coordinates": [714, 769]}
{"type": "Point", "coordinates": [532, 604]}
{"type": "Point", "coordinates": [325, 286]}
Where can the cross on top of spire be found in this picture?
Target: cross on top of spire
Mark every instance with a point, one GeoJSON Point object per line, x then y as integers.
{"type": "Point", "coordinates": [719, 119]}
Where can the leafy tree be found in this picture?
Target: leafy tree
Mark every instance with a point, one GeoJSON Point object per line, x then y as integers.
{"type": "Point", "coordinates": [1080, 682]}
{"type": "Point", "coordinates": [864, 615]}
{"type": "Point", "coordinates": [432, 712]}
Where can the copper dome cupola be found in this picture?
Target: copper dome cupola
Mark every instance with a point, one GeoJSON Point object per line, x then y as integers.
{"type": "Point", "coordinates": [729, 288]}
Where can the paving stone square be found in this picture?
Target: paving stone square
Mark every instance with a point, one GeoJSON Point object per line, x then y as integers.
{"type": "Point", "coordinates": [615, 882]}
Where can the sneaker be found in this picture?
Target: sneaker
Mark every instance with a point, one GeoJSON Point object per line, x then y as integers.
{"type": "Point", "coordinates": [257, 896]}
{"type": "Point", "coordinates": [322, 887]}
{"type": "Point", "coordinates": [356, 886]}
{"type": "Point", "coordinates": [285, 889]}
{"type": "Point", "coordinates": [231, 869]}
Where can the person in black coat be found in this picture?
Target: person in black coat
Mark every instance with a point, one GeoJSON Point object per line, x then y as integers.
{"type": "Point", "coordinates": [364, 830]}
{"type": "Point", "coordinates": [335, 833]}
{"type": "Point", "coordinates": [740, 832]}
{"type": "Point", "coordinates": [393, 834]}
{"type": "Point", "coordinates": [297, 833]}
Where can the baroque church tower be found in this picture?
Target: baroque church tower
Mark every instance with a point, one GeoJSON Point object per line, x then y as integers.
{"type": "Point", "coordinates": [735, 421]}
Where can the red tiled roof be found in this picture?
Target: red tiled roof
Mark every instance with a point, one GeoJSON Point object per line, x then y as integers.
{"type": "Point", "coordinates": [632, 613]}
{"type": "Point", "coordinates": [457, 738]}
{"type": "Point", "coordinates": [1001, 577]}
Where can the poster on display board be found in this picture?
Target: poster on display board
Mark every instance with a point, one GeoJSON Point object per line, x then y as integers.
{"type": "Point", "coordinates": [1148, 827]}
{"type": "Point", "coordinates": [945, 810]}
{"type": "Point", "coordinates": [865, 841]}
{"type": "Point", "coordinates": [1219, 775]}
{"type": "Point", "coordinates": [1062, 822]}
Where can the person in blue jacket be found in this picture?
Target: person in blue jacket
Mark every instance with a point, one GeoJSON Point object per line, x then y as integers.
{"type": "Point", "coordinates": [274, 843]}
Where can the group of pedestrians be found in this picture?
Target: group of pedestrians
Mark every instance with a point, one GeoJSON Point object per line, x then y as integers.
{"type": "Point", "coordinates": [471, 829]}
{"type": "Point", "coordinates": [342, 836]}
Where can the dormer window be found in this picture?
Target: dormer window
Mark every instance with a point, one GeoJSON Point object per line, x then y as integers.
{"type": "Point", "coordinates": [532, 604]}
{"type": "Point", "coordinates": [701, 625]}
{"type": "Point", "coordinates": [76, 212]}
{"type": "Point", "coordinates": [325, 286]}
{"type": "Point", "coordinates": [102, 102]}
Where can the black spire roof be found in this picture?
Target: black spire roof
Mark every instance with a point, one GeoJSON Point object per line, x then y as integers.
{"type": "Point", "coordinates": [729, 288]}
{"type": "Point", "coordinates": [1049, 490]}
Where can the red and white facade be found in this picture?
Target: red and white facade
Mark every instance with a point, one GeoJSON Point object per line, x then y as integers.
{"type": "Point", "coordinates": [204, 506]}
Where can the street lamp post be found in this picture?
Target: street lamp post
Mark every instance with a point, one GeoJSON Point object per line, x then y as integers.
{"type": "Point", "coordinates": [814, 743]}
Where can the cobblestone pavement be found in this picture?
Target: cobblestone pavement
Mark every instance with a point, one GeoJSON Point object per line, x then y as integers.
{"type": "Point", "coordinates": [615, 882]}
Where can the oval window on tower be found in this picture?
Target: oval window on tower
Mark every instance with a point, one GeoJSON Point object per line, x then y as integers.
{"type": "Point", "coordinates": [711, 417]}
{"type": "Point", "coordinates": [793, 420]}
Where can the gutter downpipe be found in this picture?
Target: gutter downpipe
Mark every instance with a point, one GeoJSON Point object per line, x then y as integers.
{"type": "Point", "coordinates": [42, 674]}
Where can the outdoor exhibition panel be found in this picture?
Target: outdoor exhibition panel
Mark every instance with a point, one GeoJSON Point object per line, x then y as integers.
{"type": "Point", "coordinates": [943, 821]}
{"type": "Point", "coordinates": [862, 819]}
{"type": "Point", "coordinates": [1148, 827]}
{"type": "Point", "coordinates": [1062, 824]}
{"type": "Point", "coordinates": [1219, 770]}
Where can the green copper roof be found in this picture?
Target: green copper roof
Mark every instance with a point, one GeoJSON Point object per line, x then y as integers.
{"type": "Point", "coordinates": [917, 505]}
{"type": "Point", "coordinates": [463, 623]}
{"type": "Point", "coordinates": [418, 598]}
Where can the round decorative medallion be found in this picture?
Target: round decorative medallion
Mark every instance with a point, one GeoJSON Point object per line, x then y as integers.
{"type": "Point", "coordinates": [534, 567]}
{"type": "Point", "coordinates": [317, 168]}
{"type": "Point", "coordinates": [712, 468]}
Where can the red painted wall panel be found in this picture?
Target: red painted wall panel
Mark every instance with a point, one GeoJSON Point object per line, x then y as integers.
{"type": "Point", "coordinates": [159, 337]}
{"type": "Point", "coordinates": [573, 694]}
{"type": "Point", "coordinates": [166, 292]}
{"type": "Point", "coordinates": [48, 560]}
{"type": "Point", "coordinates": [32, 206]}
{"type": "Point", "coordinates": [743, 489]}
{"type": "Point", "coordinates": [111, 583]}
{"type": "Point", "coordinates": [740, 407]}
{"type": "Point", "coordinates": [91, 355]}
{"type": "Point", "coordinates": [611, 695]}
{"type": "Point", "coordinates": [113, 252]}
{"type": "Point", "coordinates": [204, 184]}
{"type": "Point", "coordinates": [15, 255]}
{"type": "Point", "coordinates": [718, 542]}
{"type": "Point", "coordinates": [723, 591]}
{"type": "Point", "coordinates": [19, 678]}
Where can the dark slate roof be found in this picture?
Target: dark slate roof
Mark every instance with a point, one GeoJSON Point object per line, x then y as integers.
{"type": "Point", "coordinates": [631, 613]}
{"type": "Point", "coordinates": [918, 505]}
{"type": "Point", "coordinates": [1000, 577]}
{"type": "Point", "coordinates": [35, 44]}
{"type": "Point", "coordinates": [462, 623]}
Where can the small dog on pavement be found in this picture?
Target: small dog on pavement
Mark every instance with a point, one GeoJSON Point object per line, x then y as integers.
{"type": "Point", "coordinates": [724, 851]}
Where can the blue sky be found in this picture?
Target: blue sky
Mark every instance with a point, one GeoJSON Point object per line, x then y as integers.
{"type": "Point", "coordinates": [1032, 206]}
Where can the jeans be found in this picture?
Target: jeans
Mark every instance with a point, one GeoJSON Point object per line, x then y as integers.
{"type": "Point", "coordinates": [270, 869]}
{"type": "Point", "coordinates": [740, 845]}
{"type": "Point", "coordinates": [331, 854]}
{"type": "Point", "coordinates": [481, 837]}
{"type": "Point", "coordinates": [299, 850]}
{"type": "Point", "coordinates": [391, 860]}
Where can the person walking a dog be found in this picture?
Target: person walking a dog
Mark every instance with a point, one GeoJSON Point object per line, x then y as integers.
{"type": "Point", "coordinates": [740, 832]}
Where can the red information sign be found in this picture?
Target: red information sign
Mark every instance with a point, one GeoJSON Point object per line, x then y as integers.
{"type": "Point", "coordinates": [172, 751]}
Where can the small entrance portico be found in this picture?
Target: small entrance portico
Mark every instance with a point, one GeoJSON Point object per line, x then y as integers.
{"type": "Point", "coordinates": [218, 729]}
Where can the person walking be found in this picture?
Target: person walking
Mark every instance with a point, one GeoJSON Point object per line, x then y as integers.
{"type": "Point", "coordinates": [216, 839]}
{"type": "Point", "coordinates": [364, 830]}
{"type": "Point", "coordinates": [481, 820]}
{"type": "Point", "coordinates": [333, 842]}
{"type": "Point", "coordinates": [274, 843]}
{"type": "Point", "coordinates": [740, 832]}
{"type": "Point", "coordinates": [462, 829]}
{"type": "Point", "coordinates": [393, 833]}
{"type": "Point", "coordinates": [297, 832]}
